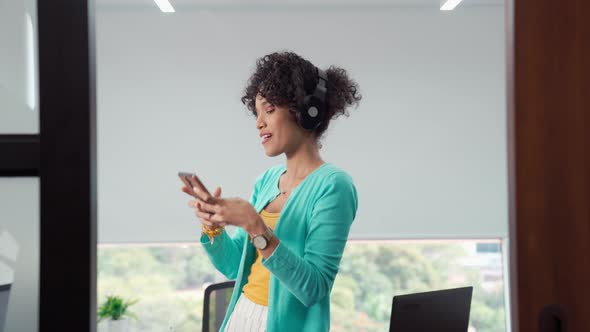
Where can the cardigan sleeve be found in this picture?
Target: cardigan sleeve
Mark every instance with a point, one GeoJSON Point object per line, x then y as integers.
{"type": "Point", "coordinates": [310, 278]}
{"type": "Point", "coordinates": [225, 253]}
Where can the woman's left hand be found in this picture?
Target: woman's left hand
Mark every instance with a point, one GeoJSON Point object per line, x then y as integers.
{"type": "Point", "coordinates": [229, 211]}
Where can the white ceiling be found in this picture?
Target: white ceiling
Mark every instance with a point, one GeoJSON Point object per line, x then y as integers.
{"type": "Point", "coordinates": [292, 3]}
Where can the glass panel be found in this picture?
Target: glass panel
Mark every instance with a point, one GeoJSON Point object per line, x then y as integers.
{"type": "Point", "coordinates": [18, 67]}
{"type": "Point", "coordinates": [169, 102]}
{"type": "Point", "coordinates": [19, 254]}
{"type": "Point", "coordinates": [169, 281]}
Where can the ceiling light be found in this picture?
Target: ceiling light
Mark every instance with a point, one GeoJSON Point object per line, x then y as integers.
{"type": "Point", "coordinates": [448, 4]}
{"type": "Point", "coordinates": [165, 6]}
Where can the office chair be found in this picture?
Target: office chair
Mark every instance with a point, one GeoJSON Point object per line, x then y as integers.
{"type": "Point", "coordinates": [4, 295]}
{"type": "Point", "coordinates": [222, 295]}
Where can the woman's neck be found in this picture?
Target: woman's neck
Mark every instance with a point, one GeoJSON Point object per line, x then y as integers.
{"type": "Point", "coordinates": [303, 161]}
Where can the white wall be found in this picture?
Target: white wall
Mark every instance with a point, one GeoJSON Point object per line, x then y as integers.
{"type": "Point", "coordinates": [426, 148]}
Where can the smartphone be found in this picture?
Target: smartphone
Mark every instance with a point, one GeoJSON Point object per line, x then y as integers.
{"type": "Point", "coordinates": [191, 180]}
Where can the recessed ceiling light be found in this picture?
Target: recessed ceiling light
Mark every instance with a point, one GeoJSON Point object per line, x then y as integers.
{"type": "Point", "coordinates": [165, 6]}
{"type": "Point", "coordinates": [449, 4]}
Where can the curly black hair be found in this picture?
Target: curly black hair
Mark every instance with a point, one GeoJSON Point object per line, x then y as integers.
{"type": "Point", "coordinates": [284, 78]}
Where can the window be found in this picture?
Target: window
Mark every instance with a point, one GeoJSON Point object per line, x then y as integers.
{"type": "Point", "coordinates": [372, 272]}
{"type": "Point", "coordinates": [169, 280]}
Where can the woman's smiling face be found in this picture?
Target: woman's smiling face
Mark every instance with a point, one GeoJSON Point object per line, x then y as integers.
{"type": "Point", "coordinates": [277, 127]}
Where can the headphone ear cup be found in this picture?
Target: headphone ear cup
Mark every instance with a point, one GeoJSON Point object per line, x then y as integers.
{"type": "Point", "coordinates": [309, 116]}
{"type": "Point", "coordinates": [313, 110]}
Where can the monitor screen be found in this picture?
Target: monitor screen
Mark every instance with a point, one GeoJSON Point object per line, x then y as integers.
{"type": "Point", "coordinates": [442, 311]}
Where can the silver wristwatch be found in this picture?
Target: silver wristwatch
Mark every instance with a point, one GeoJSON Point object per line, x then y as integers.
{"type": "Point", "coordinates": [261, 241]}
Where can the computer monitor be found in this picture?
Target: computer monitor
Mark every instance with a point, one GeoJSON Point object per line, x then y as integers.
{"type": "Point", "coordinates": [4, 294]}
{"type": "Point", "coordinates": [441, 311]}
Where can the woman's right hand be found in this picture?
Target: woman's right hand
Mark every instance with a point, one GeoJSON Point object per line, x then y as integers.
{"type": "Point", "coordinates": [203, 216]}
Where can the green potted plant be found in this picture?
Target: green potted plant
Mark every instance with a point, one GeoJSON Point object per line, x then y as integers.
{"type": "Point", "coordinates": [115, 310]}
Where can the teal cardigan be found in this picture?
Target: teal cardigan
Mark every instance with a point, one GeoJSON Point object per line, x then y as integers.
{"type": "Point", "coordinates": [312, 228]}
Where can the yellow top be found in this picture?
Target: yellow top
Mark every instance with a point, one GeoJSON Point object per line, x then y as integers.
{"type": "Point", "coordinates": [256, 289]}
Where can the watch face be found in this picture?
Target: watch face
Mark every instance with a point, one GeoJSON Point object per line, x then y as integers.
{"type": "Point", "coordinates": [259, 242]}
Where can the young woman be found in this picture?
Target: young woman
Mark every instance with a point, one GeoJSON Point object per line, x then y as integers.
{"type": "Point", "coordinates": [291, 234]}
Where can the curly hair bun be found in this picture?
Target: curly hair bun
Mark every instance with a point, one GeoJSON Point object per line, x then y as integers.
{"type": "Point", "coordinates": [284, 78]}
